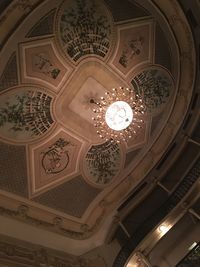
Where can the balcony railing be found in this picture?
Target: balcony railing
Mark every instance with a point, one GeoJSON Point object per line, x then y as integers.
{"type": "Point", "coordinates": [192, 259]}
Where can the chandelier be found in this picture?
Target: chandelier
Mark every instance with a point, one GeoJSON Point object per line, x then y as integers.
{"type": "Point", "coordinates": [118, 115]}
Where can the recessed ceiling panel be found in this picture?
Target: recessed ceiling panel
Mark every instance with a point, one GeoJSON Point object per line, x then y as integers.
{"type": "Point", "coordinates": [53, 162]}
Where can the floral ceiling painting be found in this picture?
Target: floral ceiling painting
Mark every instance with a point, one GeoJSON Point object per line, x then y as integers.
{"type": "Point", "coordinates": [40, 63]}
{"type": "Point", "coordinates": [84, 29]}
{"type": "Point", "coordinates": [25, 114]}
{"type": "Point", "coordinates": [54, 162]}
{"type": "Point", "coordinates": [62, 59]}
{"type": "Point", "coordinates": [135, 47]}
{"type": "Point", "coordinates": [156, 84]}
{"type": "Point", "coordinates": [103, 163]}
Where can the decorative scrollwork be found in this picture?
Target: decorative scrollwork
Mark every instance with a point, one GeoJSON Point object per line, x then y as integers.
{"type": "Point", "coordinates": [56, 158]}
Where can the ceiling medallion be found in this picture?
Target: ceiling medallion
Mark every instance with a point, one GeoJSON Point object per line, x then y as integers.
{"type": "Point", "coordinates": [119, 114]}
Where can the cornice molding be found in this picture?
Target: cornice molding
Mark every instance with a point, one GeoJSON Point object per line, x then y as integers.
{"type": "Point", "coordinates": [22, 214]}
{"type": "Point", "coordinates": [16, 252]}
{"type": "Point", "coordinates": [13, 15]}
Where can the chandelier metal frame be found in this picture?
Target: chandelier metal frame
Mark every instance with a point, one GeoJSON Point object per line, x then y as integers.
{"type": "Point", "coordinates": [135, 101]}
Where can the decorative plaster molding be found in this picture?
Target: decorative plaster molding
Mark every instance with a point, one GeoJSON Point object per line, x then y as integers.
{"type": "Point", "coordinates": [28, 256]}
{"type": "Point", "coordinates": [13, 15]}
{"type": "Point", "coordinates": [22, 214]}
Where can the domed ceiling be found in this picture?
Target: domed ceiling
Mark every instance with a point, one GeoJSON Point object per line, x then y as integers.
{"type": "Point", "coordinates": [62, 55]}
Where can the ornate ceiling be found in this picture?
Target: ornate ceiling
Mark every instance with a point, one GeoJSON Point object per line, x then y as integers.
{"type": "Point", "coordinates": [55, 57]}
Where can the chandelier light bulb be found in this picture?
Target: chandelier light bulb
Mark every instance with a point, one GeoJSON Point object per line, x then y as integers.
{"type": "Point", "coordinates": [163, 229]}
{"type": "Point", "coordinates": [119, 115]}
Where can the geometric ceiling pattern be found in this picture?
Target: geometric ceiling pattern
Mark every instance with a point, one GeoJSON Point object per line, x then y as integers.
{"type": "Point", "coordinates": [59, 59]}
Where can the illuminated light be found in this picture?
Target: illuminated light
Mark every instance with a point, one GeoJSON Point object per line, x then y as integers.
{"type": "Point", "coordinates": [119, 115]}
{"type": "Point", "coordinates": [163, 229]}
{"type": "Point", "coordinates": [192, 246]}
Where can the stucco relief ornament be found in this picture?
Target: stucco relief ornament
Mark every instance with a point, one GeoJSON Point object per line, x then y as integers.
{"type": "Point", "coordinates": [81, 263]}
{"type": "Point", "coordinates": [89, 99]}
{"type": "Point", "coordinates": [85, 228]}
{"type": "Point", "coordinates": [23, 211]}
{"type": "Point", "coordinates": [34, 256]}
{"type": "Point", "coordinates": [26, 5]}
{"type": "Point", "coordinates": [57, 221]}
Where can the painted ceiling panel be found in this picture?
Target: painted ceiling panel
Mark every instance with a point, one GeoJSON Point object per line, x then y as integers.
{"type": "Point", "coordinates": [64, 56]}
